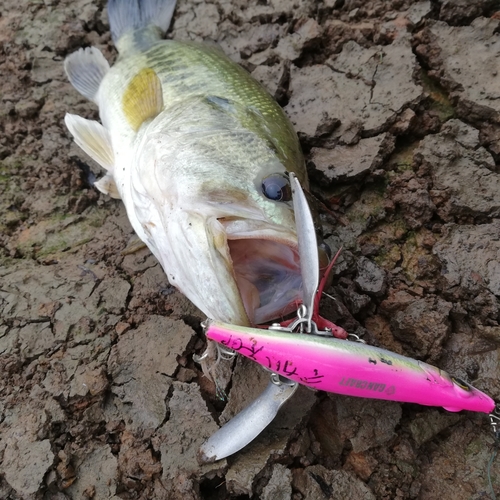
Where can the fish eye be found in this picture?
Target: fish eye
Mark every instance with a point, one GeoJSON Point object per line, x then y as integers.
{"type": "Point", "coordinates": [277, 187]}
{"type": "Point", "coordinates": [463, 385]}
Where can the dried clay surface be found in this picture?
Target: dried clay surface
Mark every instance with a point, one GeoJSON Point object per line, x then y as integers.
{"type": "Point", "coordinates": [397, 106]}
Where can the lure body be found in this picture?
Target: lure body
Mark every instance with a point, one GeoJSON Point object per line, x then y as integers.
{"type": "Point", "coordinates": [350, 368]}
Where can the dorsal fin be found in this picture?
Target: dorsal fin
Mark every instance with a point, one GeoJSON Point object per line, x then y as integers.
{"type": "Point", "coordinates": [93, 138]}
{"type": "Point", "coordinates": [143, 98]}
{"type": "Point", "coordinates": [85, 69]}
{"type": "Point", "coordinates": [107, 185]}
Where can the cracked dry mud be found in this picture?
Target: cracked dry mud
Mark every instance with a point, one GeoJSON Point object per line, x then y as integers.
{"type": "Point", "coordinates": [397, 105]}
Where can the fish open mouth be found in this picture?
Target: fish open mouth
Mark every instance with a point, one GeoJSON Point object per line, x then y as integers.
{"type": "Point", "coordinates": [266, 268]}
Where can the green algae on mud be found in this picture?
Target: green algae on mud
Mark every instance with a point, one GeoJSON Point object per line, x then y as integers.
{"type": "Point", "coordinates": [59, 234]}
{"type": "Point", "coordinates": [369, 208]}
{"type": "Point", "coordinates": [438, 97]}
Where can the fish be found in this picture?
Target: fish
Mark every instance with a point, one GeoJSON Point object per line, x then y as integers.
{"type": "Point", "coordinates": [349, 368]}
{"type": "Point", "coordinates": [200, 154]}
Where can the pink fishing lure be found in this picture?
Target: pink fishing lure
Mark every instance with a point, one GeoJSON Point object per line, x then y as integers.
{"type": "Point", "coordinates": [350, 368]}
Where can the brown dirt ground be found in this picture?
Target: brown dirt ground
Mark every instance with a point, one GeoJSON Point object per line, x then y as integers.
{"type": "Point", "coordinates": [397, 105]}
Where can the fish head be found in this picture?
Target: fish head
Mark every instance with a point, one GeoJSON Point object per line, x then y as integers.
{"type": "Point", "coordinates": [259, 239]}
{"type": "Point", "coordinates": [213, 203]}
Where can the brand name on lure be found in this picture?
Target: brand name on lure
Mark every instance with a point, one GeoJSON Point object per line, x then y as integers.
{"type": "Point", "coordinates": [363, 384]}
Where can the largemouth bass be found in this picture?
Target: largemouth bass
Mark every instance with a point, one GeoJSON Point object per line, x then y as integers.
{"type": "Point", "coordinates": [199, 153]}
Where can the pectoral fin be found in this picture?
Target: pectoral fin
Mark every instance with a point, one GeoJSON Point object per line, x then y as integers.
{"type": "Point", "coordinates": [93, 138]}
{"type": "Point", "coordinates": [143, 98]}
{"type": "Point", "coordinates": [107, 185]}
{"type": "Point", "coordinates": [85, 69]}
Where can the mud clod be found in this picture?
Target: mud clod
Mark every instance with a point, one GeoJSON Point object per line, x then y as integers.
{"type": "Point", "coordinates": [317, 483]}
{"type": "Point", "coordinates": [25, 464]}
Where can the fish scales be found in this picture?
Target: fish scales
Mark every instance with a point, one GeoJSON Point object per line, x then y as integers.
{"type": "Point", "coordinates": [188, 69]}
